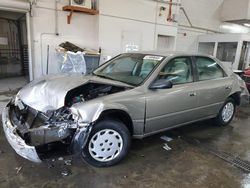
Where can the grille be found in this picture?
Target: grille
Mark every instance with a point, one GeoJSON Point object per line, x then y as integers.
{"type": "Point", "coordinates": [235, 161]}
{"type": "Point", "coordinates": [27, 118]}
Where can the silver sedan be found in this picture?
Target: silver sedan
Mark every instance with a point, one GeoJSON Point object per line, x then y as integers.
{"type": "Point", "coordinates": [133, 95]}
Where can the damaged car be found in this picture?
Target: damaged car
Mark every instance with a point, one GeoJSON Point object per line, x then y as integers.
{"type": "Point", "coordinates": [133, 95]}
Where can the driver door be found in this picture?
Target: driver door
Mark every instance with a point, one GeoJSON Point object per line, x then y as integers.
{"type": "Point", "coordinates": [167, 108]}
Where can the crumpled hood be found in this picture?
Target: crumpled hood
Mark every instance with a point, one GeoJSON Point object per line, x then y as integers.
{"type": "Point", "coordinates": [49, 92]}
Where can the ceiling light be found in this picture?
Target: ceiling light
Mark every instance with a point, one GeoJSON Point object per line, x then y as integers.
{"type": "Point", "coordinates": [247, 24]}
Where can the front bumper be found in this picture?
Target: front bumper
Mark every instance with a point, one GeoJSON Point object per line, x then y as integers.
{"type": "Point", "coordinates": [16, 142]}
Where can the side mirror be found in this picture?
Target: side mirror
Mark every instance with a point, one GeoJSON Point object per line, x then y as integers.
{"type": "Point", "coordinates": [161, 84]}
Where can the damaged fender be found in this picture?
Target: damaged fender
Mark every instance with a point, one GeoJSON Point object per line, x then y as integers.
{"type": "Point", "coordinates": [80, 138]}
{"type": "Point", "coordinates": [240, 86]}
{"type": "Point", "coordinates": [88, 114]}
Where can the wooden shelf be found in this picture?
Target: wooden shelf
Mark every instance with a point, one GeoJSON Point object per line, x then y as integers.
{"type": "Point", "coordinates": [72, 9]}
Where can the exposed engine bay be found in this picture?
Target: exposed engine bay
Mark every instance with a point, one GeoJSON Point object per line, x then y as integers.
{"type": "Point", "coordinates": [90, 91]}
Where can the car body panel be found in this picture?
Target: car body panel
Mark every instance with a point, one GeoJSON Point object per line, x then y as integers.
{"type": "Point", "coordinates": [164, 107]}
{"type": "Point", "coordinates": [51, 90]}
{"type": "Point", "coordinates": [16, 142]}
{"type": "Point", "coordinates": [208, 102]}
{"type": "Point", "coordinates": [132, 102]}
{"type": "Point", "coordinates": [151, 111]}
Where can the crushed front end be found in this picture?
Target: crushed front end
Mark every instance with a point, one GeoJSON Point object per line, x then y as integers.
{"type": "Point", "coordinates": [27, 129]}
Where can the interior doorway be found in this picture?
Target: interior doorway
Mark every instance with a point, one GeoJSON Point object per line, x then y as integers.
{"type": "Point", "coordinates": [14, 59]}
{"type": "Point", "coordinates": [244, 62]}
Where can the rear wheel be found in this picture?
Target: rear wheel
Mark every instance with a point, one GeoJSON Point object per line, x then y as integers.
{"type": "Point", "coordinates": [108, 144]}
{"type": "Point", "coordinates": [226, 113]}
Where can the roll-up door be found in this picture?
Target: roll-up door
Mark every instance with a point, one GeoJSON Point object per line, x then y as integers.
{"type": "Point", "coordinates": [15, 6]}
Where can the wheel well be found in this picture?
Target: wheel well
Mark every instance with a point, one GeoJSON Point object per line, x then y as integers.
{"type": "Point", "coordinates": [236, 98]}
{"type": "Point", "coordinates": [118, 115]}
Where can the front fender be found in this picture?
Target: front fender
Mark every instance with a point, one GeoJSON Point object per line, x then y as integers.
{"type": "Point", "coordinates": [90, 112]}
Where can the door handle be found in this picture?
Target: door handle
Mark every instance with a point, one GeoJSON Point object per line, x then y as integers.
{"type": "Point", "coordinates": [192, 94]}
{"type": "Point", "coordinates": [228, 87]}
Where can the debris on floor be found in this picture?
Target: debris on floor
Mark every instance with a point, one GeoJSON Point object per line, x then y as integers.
{"type": "Point", "coordinates": [50, 166]}
{"type": "Point", "coordinates": [68, 162]}
{"type": "Point", "coordinates": [166, 147]}
{"type": "Point", "coordinates": [166, 138]}
{"type": "Point", "coordinates": [60, 159]}
{"type": "Point", "coordinates": [18, 169]}
{"type": "Point", "coordinates": [66, 172]}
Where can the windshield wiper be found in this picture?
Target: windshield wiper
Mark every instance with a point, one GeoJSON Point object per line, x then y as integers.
{"type": "Point", "coordinates": [107, 77]}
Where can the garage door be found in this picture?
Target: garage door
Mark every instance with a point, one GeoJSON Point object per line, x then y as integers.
{"type": "Point", "coordinates": [13, 5]}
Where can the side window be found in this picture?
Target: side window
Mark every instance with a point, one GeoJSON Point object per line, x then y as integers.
{"type": "Point", "coordinates": [208, 69]}
{"type": "Point", "coordinates": [177, 70]}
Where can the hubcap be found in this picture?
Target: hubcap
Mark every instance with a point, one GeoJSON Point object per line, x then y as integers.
{"type": "Point", "coordinates": [227, 112]}
{"type": "Point", "coordinates": [105, 145]}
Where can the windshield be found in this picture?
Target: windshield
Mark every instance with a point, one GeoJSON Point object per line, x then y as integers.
{"type": "Point", "coordinates": [132, 69]}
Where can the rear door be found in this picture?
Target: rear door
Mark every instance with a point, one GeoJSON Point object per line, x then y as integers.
{"type": "Point", "coordinates": [213, 86]}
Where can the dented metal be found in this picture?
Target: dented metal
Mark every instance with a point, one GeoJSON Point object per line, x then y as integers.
{"type": "Point", "coordinates": [63, 108]}
{"type": "Point", "coordinates": [16, 142]}
{"type": "Point", "coordinates": [49, 93]}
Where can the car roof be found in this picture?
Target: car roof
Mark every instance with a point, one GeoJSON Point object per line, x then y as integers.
{"type": "Point", "coordinates": [169, 53]}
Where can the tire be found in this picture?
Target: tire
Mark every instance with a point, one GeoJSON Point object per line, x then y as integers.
{"type": "Point", "coordinates": [108, 143]}
{"type": "Point", "coordinates": [225, 116]}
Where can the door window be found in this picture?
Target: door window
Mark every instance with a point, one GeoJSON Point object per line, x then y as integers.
{"type": "Point", "coordinates": [177, 70]}
{"type": "Point", "coordinates": [208, 69]}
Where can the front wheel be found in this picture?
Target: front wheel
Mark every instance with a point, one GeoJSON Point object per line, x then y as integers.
{"type": "Point", "coordinates": [226, 113]}
{"type": "Point", "coordinates": [108, 144]}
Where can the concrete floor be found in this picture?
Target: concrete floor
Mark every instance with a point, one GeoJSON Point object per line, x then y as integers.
{"type": "Point", "coordinates": [188, 164]}
{"type": "Point", "coordinates": [8, 87]}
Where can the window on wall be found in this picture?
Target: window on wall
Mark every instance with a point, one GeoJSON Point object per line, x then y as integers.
{"type": "Point", "coordinates": [208, 69]}
{"type": "Point", "coordinates": [165, 42]}
{"type": "Point", "coordinates": [226, 51]}
{"type": "Point", "coordinates": [206, 48]}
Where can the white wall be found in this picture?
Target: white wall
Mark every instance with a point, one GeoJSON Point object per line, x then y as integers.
{"type": "Point", "coordinates": [141, 17]}
{"type": "Point", "coordinates": [119, 22]}
{"type": "Point", "coordinates": [187, 39]}
{"type": "Point", "coordinates": [82, 31]}
{"type": "Point", "coordinates": [203, 14]}
{"type": "Point", "coordinates": [240, 10]}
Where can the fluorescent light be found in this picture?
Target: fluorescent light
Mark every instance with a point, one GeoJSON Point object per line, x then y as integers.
{"type": "Point", "coordinates": [234, 28]}
{"type": "Point", "coordinates": [247, 24]}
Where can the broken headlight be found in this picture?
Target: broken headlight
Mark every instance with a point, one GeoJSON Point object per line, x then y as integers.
{"type": "Point", "coordinates": [75, 115]}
